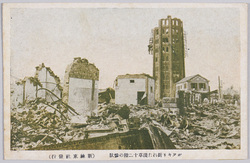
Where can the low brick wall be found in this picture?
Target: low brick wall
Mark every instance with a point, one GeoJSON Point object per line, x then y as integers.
{"type": "Point", "coordinates": [137, 139]}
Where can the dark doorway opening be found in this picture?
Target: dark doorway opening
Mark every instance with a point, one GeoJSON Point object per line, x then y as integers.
{"type": "Point", "coordinates": [141, 98]}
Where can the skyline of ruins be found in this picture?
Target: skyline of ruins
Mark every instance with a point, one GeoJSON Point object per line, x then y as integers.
{"type": "Point", "coordinates": [119, 46]}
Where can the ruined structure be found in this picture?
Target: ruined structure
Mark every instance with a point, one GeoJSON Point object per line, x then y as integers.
{"type": "Point", "coordinates": [45, 84]}
{"type": "Point", "coordinates": [195, 88]}
{"type": "Point", "coordinates": [108, 96]}
{"type": "Point", "coordinates": [134, 89]}
{"type": "Point", "coordinates": [49, 81]}
{"type": "Point", "coordinates": [24, 90]}
{"type": "Point", "coordinates": [81, 87]}
{"type": "Point", "coordinates": [167, 47]}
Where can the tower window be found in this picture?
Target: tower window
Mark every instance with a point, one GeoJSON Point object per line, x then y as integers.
{"type": "Point", "coordinates": [167, 49]}
{"type": "Point", "coordinates": [167, 31]}
{"type": "Point", "coordinates": [132, 81]}
{"type": "Point", "coordinates": [165, 40]}
{"type": "Point", "coordinates": [156, 59]}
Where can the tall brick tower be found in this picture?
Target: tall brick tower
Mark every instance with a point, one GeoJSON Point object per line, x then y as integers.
{"type": "Point", "coordinates": [167, 47]}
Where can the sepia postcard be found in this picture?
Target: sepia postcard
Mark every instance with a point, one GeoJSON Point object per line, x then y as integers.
{"type": "Point", "coordinates": [127, 81]}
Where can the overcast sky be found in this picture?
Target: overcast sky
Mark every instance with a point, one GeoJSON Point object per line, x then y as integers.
{"type": "Point", "coordinates": [116, 40]}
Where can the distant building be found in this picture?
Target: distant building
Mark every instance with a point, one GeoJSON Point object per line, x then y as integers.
{"type": "Point", "coordinates": [134, 89]}
{"type": "Point", "coordinates": [196, 85]}
{"type": "Point", "coordinates": [80, 89]}
{"type": "Point", "coordinates": [167, 47]}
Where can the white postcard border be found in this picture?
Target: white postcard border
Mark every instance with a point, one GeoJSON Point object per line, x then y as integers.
{"type": "Point", "coordinates": [104, 154]}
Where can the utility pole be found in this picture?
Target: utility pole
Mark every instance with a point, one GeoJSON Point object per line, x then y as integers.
{"type": "Point", "coordinates": [219, 88]}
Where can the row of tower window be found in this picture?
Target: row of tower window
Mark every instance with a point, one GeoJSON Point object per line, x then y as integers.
{"type": "Point", "coordinates": [164, 50]}
{"type": "Point", "coordinates": [165, 31]}
{"type": "Point", "coordinates": [166, 40]}
{"type": "Point", "coordinates": [165, 86]}
{"type": "Point", "coordinates": [164, 58]}
{"type": "Point", "coordinates": [174, 22]}
{"type": "Point", "coordinates": [165, 68]}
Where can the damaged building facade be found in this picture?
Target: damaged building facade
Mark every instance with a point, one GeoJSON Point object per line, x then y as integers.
{"type": "Point", "coordinates": [24, 90]}
{"type": "Point", "coordinates": [134, 89]}
{"type": "Point", "coordinates": [195, 88]}
{"type": "Point", "coordinates": [49, 81]}
{"type": "Point", "coordinates": [167, 47]}
{"type": "Point", "coordinates": [81, 87]}
{"type": "Point", "coordinates": [45, 84]}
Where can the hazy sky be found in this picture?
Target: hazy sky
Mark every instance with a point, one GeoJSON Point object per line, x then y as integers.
{"type": "Point", "coordinates": [116, 40]}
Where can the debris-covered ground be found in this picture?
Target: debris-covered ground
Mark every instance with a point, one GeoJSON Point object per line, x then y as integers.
{"type": "Point", "coordinates": [209, 127]}
{"type": "Point", "coordinates": [202, 127]}
{"type": "Point", "coordinates": [39, 123]}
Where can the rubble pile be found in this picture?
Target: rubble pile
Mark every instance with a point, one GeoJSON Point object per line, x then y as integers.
{"type": "Point", "coordinates": [39, 123]}
{"type": "Point", "coordinates": [201, 127]}
{"type": "Point", "coordinates": [209, 127]}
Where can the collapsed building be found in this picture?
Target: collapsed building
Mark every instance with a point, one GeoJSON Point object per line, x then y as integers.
{"type": "Point", "coordinates": [24, 90]}
{"type": "Point", "coordinates": [81, 88]}
{"type": "Point", "coordinates": [45, 84]}
{"type": "Point", "coordinates": [49, 81]}
{"type": "Point", "coordinates": [134, 89]}
{"type": "Point", "coordinates": [107, 95]}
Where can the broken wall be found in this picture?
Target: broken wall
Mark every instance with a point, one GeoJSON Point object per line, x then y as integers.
{"type": "Point", "coordinates": [49, 81]}
{"type": "Point", "coordinates": [81, 87]}
{"type": "Point", "coordinates": [29, 90]}
{"type": "Point", "coordinates": [29, 87]}
{"type": "Point", "coordinates": [16, 95]}
{"type": "Point", "coordinates": [24, 90]}
{"type": "Point", "coordinates": [82, 96]}
{"type": "Point", "coordinates": [151, 92]}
